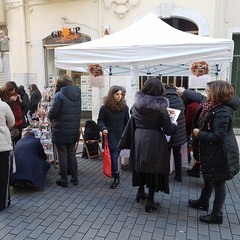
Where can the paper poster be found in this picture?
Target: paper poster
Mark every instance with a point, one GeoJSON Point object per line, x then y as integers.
{"type": "Point", "coordinates": [134, 77]}
{"type": "Point", "coordinates": [199, 74]}
{"type": "Point", "coordinates": [96, 75]}
{"type": "Point", "coordinates": [174, 114]}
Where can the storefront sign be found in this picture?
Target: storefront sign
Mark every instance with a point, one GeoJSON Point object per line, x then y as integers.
{"type": "Point", "coordinates": [66, 34]}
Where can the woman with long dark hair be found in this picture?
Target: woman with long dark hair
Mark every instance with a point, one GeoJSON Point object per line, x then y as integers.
{"type": "Point", "coordinates": [35, 98]}
{"type": "Point", "coordinates": [112, 119]}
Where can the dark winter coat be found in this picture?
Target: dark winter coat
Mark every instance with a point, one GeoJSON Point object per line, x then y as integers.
{"type": "Point", "coordinates": [152, 122]}
{"type": "Point", "coordinates": [218, 147]}
{"type": "Point", "coordinates": [180, 137]}
{"type": "Point", "coordinates": [31, 163]}
{"type": "Point", "coordinates": [34, 101]}
{"type": "Point", "coordinates": [114, 122]}
{"type": "Point", "coordinates": [25, 101]}
{"type": "Point", "coordinates": [25, 107]}
{"type": "Point", "coordinates": [66, 115]}
{"type": "Point", "coordinates": [190, 111]}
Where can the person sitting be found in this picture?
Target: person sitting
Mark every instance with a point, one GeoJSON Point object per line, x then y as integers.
{"type": "Point", "coordinates": [31, 164]}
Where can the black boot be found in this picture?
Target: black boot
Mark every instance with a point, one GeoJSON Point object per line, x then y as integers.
{"type": "Point", "coordinates": [150, 204]}
{"type": "Point", "coordinates": [116, 180]}
{"type": "Point", "coordinates": [216, 215]}
{"type": "Point", "coordinates": [198, 204]}
{"type": "Point", "coordinates": [62, 183]}
{"type": "Point", "coordinates": [141, 195]}
{"type": "Point", "coordinates": [212, 218]}
{"type": "Point", "coordinates": [195, 171]}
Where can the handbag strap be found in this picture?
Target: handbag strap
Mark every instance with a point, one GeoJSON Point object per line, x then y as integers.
{"type": "Point", "coordinates": [105, 140]}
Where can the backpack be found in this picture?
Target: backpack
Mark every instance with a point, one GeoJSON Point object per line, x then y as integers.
{"type": "Point", "coordinates": [93, 149]}
{"type": "Point", "coordinates": [92, 130]}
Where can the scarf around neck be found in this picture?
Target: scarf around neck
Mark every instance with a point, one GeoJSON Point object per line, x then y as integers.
{"type": "Point", "coordinates": [207, 109]}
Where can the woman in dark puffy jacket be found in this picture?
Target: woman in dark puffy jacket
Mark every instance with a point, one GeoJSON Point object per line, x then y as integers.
{"type": "Point", "coordinates": [219, 153]}
{"type": "Point", "coordinates": [65, 114]}
{"type": "Point", "coordinates": [149, 154]}
{"type": "Point", "coordinates": [180, 137]}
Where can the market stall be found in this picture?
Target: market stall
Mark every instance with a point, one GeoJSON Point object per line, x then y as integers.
{"type": "Point", "coordinates": [151, 44]}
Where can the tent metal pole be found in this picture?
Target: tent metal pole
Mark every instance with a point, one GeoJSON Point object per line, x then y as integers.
{"type": "Point", "coordinates": [110, 76]}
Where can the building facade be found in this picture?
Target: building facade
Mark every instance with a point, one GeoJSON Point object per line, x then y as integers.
{"type": "Point", "coordinates": [30, 30]}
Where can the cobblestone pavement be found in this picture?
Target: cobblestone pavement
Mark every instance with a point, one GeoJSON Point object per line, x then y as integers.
{"type": "Point", "coordinates": [93, 211]}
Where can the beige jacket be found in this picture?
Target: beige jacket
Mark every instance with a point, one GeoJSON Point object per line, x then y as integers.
{"type": "Point", "coordinates": [6, 120]}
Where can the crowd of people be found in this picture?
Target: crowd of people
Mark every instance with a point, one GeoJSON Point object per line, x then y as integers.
{"type": "Point", "coordinates": [205, 123]}
{"type": "Point", "coordinates": [23, 161]}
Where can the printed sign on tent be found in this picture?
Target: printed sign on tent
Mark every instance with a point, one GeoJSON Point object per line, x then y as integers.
{"type": "Point", "coordinates": [199, 74]}
{"type": "Point", "coordinates": [96, 77]}
{"type": "Point", "coordinates": [134, 77]}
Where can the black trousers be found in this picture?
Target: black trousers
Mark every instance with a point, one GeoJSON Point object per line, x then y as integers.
{"type": "Point", "coordinates": [177, 160]}
{"type": "Point", "coordinates": [4, 180]}
{"type": "Point", "coordinates": [67, 160]}
{"type": "Point", "coordinates": [220, 195]}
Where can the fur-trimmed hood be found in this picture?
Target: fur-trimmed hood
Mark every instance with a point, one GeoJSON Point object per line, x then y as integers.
{"type": "Point", "coordinates": [143, 100]}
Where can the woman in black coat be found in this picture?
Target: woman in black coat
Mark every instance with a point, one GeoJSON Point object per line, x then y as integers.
{"type": "Point", "coordinates": [218, 147]}
{"type": "Point", "coordinates": [180, 137]}
{"type": "Point", "coordinates": [112, 119]}
{"type": "Point", "coordinates": [35, 98]}
{"type": "Point", "coordinates": [150, 160]}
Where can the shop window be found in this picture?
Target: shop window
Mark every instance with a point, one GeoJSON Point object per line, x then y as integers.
{"type": "Point", "coordinates": [178, 81]}
{"type": "Point", "coordinates": [80, 79]}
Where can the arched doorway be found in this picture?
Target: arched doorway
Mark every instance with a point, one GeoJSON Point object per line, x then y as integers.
{"type": "Point", "coordinates": [185, 26]}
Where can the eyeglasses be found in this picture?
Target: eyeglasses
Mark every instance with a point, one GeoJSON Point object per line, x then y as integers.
{"type": "Point", "coordinates": [207, 91]}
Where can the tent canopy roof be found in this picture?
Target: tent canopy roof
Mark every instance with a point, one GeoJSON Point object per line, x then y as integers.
{"type": "Point", "coordinates": [149, 43]}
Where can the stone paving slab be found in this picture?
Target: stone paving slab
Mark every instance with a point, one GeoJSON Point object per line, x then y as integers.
{"type": "Point", "coordinates": [93, 211]}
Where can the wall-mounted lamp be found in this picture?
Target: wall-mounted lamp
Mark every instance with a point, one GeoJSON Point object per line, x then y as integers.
{"type": "Point", "coordinates": [64, 19]}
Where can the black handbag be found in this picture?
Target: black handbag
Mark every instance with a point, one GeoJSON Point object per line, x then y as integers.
{"type": "Point", "coordinates": [127, 137]}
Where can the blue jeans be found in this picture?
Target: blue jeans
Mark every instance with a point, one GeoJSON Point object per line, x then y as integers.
{"type": "Point", "coordinates": [114, 160]}
{"type": "Point", "coordinates": [67, 158]}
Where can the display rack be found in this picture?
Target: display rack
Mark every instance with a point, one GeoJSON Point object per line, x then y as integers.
{"type": "Point", "coordinates": [41, 126]}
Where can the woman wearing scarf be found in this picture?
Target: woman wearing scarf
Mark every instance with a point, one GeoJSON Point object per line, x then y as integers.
{"type": "Point", "coordinates": [219, 153]}
{"type": "Point", "coordinates": [11, 95]}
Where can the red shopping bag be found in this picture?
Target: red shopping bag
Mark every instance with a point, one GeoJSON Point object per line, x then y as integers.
{"type": "Point", "coordinates": [107, 166]}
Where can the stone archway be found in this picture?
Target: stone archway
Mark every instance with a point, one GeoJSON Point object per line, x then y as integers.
{"type": "Point", "coordinates": [167, 11]}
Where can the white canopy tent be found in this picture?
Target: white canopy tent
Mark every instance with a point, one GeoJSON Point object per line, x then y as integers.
{"type": "Point", "coordinates": [151, 44]}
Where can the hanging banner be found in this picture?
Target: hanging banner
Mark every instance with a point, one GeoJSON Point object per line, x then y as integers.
{"type": "Point", "coordinates": [134, 77]}
{"type": "Point", "coordinates": [199, 74]}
